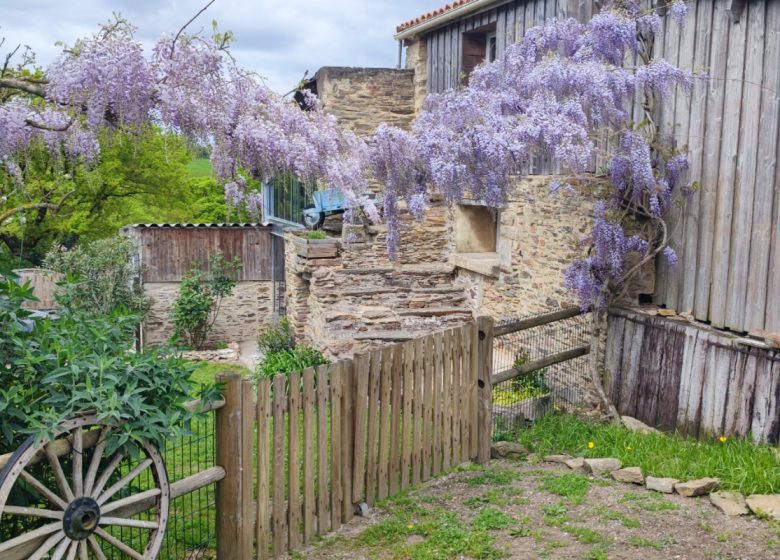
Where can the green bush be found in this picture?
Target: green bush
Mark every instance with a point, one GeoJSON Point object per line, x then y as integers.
{"type": "Point", "coordinates": [276, 337]}
{"type": "Point", "coordinates": [534, 384]}
{"type": "Point", "coordinates": [316, 234]}
{"type": "Point", "coordinates": [100, 276]}
{"type": "Point", "coordinates": [200, 295]}
{"type": "Point", "coordinates": [54, 368]}
{"type": "Point", "coordinates": [286, 361]}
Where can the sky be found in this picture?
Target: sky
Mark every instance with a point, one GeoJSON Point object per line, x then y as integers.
{"type": "Point", "coordinates": [279, 39]}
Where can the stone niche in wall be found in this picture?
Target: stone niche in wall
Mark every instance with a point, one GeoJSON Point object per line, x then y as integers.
{"type": "Point", "coordinates": [475, 231]}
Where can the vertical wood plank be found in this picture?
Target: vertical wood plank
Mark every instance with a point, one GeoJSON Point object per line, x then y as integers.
{"type": "Point", "coordinates": [724, 214]}
{"type": "Point", "coordinates": [446, 450]}
{"type": "Point", "coordinates": [763, 310]}
{"type": "Point", "coordinates": [465, 393]}
{"type": "Point", "coordinates": [474, 395]}
{"type": "Point", "coordinates": [263, 466]}
{"type": "Point", "coordinates": [336, 452]}
{"type": "Point", "coordinates": [438, 408]}
{"type": "Point", "coordinates": [361, 362]}
{"type": "Point", "coordinates": [456, 402]}
{"type": "Point", "coordinates": [485, 388]}
{"type": "Point", "coordinates": [385, 428]}
{"type": "Point", "coordinates": [294, 459]}
{"type": "Point", "coordinates": [309, 504]}
{"type": "Point", "coordinates": [347, 438]}
{"type": "Point", "coordinates": [323, 513]}
{"type": "Point", "coordinates": [419, 372]}
{"type": "Point", "coordinates": [373, 427]}
{"type": "Point", "coordinates": [712, 144]}
{"type": "Point", "coordinates": [745, 182]}
{"type": "Point", "coordinates": [279, 512]}
{"type": "Point", "coordinates": [427, 417]}
{"type": "Point", "coordinates": [408, 391]}
{"type": "Point", "coordinates": [396, 419]}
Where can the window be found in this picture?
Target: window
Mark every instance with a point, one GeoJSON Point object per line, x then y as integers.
{"type": "Point", "coordinates": [479, 46]}
{"type": "Point", "coordinates": [285, 199]}
{"type": "Point", "coordinates": [476, 238]}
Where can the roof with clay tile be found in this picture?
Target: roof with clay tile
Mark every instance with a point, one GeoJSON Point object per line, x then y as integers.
{"type": "Point", "coordinates": [432, 14]}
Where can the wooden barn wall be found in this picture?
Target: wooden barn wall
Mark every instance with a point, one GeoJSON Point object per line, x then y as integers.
{"type": "Point", "coordinates": [728, 235]}
{"type": "Point", "coordinates": [168, 253]}
{"type": "Point", "coordinates": [678, 375]}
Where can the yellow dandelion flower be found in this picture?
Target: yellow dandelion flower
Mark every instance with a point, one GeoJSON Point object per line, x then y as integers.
{"type": "Point", "coordinates": [723, 439]}
{"type": "Point", "coordinates": [628, 448]}
{"type": "Point", "coordinates": [591, 445]}
{"type": "Point", "coordinates": [410, 526]}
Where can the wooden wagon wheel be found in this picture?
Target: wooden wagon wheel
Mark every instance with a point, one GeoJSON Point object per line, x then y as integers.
{"type": "Point", "coordinates": [80, 510]}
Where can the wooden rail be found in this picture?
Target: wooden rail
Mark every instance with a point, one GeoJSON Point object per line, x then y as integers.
{"type": "Point", "coordinates": [537, 321]}
{"type": "Point", "coordinates": [536, 365]}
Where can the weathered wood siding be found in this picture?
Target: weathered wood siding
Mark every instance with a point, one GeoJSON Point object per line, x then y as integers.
{"type": "Point", "coordinates": [167, 253]}
{"type": "Point", "coordinates": [703, 382]}
{"type": "Point", "coordinates": [44, 286]}
{"type": "Point", "coordinates": [727, 235]}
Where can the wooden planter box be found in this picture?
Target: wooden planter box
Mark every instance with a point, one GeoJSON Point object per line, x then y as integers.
{"type": "Point", "coordinates": [316, 248]}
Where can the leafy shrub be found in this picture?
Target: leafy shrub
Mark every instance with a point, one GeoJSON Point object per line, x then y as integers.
{"type": "Point", "coordinates": [200, 296]}
{"type": "Point", "coordinates": [286, 361]}
{"type": "Point", "coordinates": [54, 368]}
{"type": "Point", "coordinates": [532, 385]}
{"type": "Point", "coordinates": [100, 276]}
{"type": "Point", "coordinates": [276, 337]}
{"type": "Point", "coordinates": [316, 234]}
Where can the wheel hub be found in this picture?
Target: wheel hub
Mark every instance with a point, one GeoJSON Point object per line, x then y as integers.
{"type": "Point", "coordinates": [81, 518]}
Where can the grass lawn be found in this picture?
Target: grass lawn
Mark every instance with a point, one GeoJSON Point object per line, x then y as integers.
{"type": "Point", "coordinates": [200, 167]}
{"type": "Point", "coordinates": [739, 464]}
{"type": "Point", "coordinates": [206, 372]}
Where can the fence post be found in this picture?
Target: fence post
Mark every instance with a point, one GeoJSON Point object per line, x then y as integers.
{"type": "Point", "coordinates": [234, 517]}
{"type": "Point", "coordinates": [485, 388]}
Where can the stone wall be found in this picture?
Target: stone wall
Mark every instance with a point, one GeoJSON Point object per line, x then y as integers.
{"type": "Point", "coordinates": [239, 318]}
{"type": "Point", "coordinates": [417, 61]}
{"type": "Point", "coordinates": [361, 98]}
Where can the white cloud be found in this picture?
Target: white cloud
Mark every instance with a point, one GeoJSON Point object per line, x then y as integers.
{"type": "Point", "coordinates": [279, 39]}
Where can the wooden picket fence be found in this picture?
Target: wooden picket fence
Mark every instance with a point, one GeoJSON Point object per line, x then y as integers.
{"type": "Point", "coordinates": [303, 452]}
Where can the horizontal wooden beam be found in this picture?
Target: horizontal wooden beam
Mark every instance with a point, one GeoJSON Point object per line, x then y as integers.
{"type": "Point", "coordinates": [523, 324]}
{"type": "Point", "coordinates": [536, 365]}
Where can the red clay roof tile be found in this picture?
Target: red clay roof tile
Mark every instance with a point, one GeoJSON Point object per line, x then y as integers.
{"type": "Point", "coordinates": [432, 14]}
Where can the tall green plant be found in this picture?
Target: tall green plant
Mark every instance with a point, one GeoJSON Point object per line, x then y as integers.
{"type": "Point", "coordinates": [100, 277]}
{"type": "Point", "coordinates": [200, 296]}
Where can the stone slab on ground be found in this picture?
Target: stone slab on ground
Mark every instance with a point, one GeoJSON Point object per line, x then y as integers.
{"type": "Point", "coordinates": [660, 484]}
{"type": "Point", "coordinates": [557, 458]}
{"type": "Point", "coordinates": [634, 425]}
{"type": "Point", "coordinates": [765, 504]}
{"type": "Point", "coordinates": [698, 487]}
{"type": "Point", "coordinates": [730, 503]}
{"type": "Point", "coordinates": [600, 467]}
{"type": "Point", "coordinates": [507, 450]}
{"type": "Point", "coordinates": [631, 475]}
{"type": "Point", "coordinates": [577, 465]}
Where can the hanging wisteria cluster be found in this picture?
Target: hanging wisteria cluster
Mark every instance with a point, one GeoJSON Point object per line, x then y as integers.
{"type": "Point", "coordinates": [566, 90]}
{"type": "Point", "coordinates": [191, 85]}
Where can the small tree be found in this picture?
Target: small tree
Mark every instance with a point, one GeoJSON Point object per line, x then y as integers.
{"type": "Point", "coordinates": [100, 277]}
{"type": "Point", "coordinates": [200, 297]}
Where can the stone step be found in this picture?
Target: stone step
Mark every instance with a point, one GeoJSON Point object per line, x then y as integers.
{"type": "Point", "coordinates": [439, 290]}
{"type": "Point", "coordinates": [433, 311]}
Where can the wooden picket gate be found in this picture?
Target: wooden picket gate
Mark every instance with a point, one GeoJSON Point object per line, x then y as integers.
{"type": "Point", "coordinates": [303, 452]}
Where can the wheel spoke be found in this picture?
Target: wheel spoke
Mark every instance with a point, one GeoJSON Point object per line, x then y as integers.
{"type": "Point", "coordinates": [59, 552]}
{"type": "Point", "coordinates": [78, 462]}
{"type": "Point", "coordinates": [124, 481]}
{"type": "Point", "coordinates": [119, 545]}
{"type": "Point", "coordinates": [33, 512]}
{"type": "Point", "coordinates": [83, 551]}
{"type": "Point", "coordinates": [141, 496]}
{"type": "Point", "coordinates": [95, 546]}
{"type": "Point", "coordinates": [97, 455]}
{"type": "Point", "coordinates": [59, 474]}
{"type": "Point", "coordinates": [30, 536]}
{"type": "Point", "coordinates": [74, 547]}
{"type": "Point", "coordinates": [124, 522]}
{"type": "Point", "coordinates": [43, 490]}
{"type": "Point", "coordinates": [110, 468]}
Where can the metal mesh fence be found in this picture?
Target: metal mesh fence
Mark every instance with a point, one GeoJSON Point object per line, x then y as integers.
{"type": "Point", "coordinates": [562, 386]}
{"type": "Point", "coordinates": [190, 534]}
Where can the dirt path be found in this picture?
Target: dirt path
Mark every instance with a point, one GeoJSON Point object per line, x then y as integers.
{"type": "Point", "coordinates": [524, 511]}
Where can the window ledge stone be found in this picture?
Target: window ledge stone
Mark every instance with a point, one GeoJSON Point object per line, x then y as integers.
{"type": "Point", "coordinates": [487, 264]}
